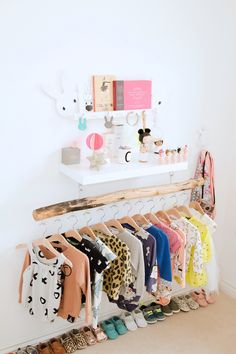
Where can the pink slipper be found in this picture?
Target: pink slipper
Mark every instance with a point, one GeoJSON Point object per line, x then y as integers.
{"type": "Point", "coordinates": [199, 298]}
{"type": "Point", "coordinates": [211, 297]}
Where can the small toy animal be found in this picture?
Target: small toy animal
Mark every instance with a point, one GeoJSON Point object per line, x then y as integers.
{"type": "Point", "coordinates": [108, 123]}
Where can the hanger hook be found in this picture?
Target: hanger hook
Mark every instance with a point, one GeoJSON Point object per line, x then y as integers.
{"type": "Point", "coordinates": [129, 210]}
{"type": "Point", "coordinates": [103, 215]}
{"type": "Point", "coordinates": [90, 219]}
{"type": "Point", "coordinates": [171, 174]}
{"type": "Point", "coordinates": [175, 202]}
{"type": "Point", "coordinates": [164, 204]}
{"type": "Point", "coordinates": [186, 200]}
{"type": "Point", "coordinates": [45, 229]}
{"type": "Point", "coordinates": [117, 210]}
{"type": "Point", "coordinates": [60, 226]}
{"type": "Point", "coordinates": [142, 205]}
{"type": "Point", "coordinates": [153, 204]}
{"type": "Point", "coordinates": [76, 220]}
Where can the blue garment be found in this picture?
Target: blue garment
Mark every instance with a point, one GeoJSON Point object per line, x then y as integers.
{"type": "Point", "coordinates": [163, 252]}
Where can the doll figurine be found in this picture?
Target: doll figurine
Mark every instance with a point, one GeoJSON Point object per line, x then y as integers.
{"type": "Point", "coordinates": [173, 156]}
{"type": "Point", "coordinates": [158, 149]}
{"type": "Point", "coordinates": [167, 156]}
{"type": "Point", "coordinates": [179, 154]}
{"type": "Point", "coordinates": [185, 152]}
{"type": "Point", "coordinates": [158, 143]}
{"type": "Point", "coordinates": [145, 146]}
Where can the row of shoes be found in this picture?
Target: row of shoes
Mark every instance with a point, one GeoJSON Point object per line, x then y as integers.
{"type": "Point", "coordinates": [155, 312]}
{"type": "Point", "coordinates": [112, 328]}
{"type": "Point", "coordinates": [69, 342]}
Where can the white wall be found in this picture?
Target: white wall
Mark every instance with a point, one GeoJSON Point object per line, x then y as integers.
{"type": "Point", "coordinates": [186, 47]}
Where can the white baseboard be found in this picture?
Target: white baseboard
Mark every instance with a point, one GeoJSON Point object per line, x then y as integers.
{"type": "Point", "coordinates": [228, 288]}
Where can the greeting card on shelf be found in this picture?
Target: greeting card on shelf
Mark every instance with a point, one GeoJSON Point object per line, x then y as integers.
{"type": "Point", "coordinates": [132, 94]}
{"type": "Point", "coordinates": [103, 92]}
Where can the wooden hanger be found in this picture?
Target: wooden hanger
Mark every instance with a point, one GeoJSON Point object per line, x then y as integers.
{"type": "Point", "coordinates": [184, 210]}
{"type": "Point", "coordinates": [152, 218]}
{"type": "Point", "coordinates": [73, 233]}
{"type": "Point", "coordinates": [88, 231]}
{"type": "Point", "coordinates": [58, 238]}
{"type": "Point", "coordinates": [116, 224]}
{"type": "Point", "coordinates": [130, 221]}
{"type": "Point", "coordinates": [140, 219]}
{"type": "Point", "coordinates": [45, 243]}
{"type": "Point", "coordinates": [162, 215]}
{"type": "Point", "coordinates": [197, 206]}
{"type": "Point", "coordinates": [174, 212]}
{"type": "Point", "coordinates": [102, 227]}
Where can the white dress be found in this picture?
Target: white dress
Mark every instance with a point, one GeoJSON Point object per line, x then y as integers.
{"type": "Point", "coordinates": [42, 286]}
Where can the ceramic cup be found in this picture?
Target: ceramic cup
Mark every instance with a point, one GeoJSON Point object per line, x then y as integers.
{"type": "Point", "coordinates": [124, 154]}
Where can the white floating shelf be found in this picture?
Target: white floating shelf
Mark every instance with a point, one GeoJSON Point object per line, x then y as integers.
{"type": "Point", "coordinates": [83, 175]}
{"type": "Point", "coordinates": [100, 115]}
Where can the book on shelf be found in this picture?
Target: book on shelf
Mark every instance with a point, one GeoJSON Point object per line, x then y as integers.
{"type": "Point", "coordinates": [132, 94]}
{"type": "Point", "coordinates": [103, 92]}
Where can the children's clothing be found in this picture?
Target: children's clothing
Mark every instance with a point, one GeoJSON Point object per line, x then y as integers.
{"type": "Point", "coordinates": [130, 295]}
{"type": "Point", "coordinates": [193, 240]}
{"type": "Point", "coordinates": [98, 281]}
{"type": "Point", "coordinates": [173, 237]}
{"type": "Point", "coordinates": [180, 259]}
{"type": "Point", "coordinates": [76, 283]}
{"type": "Point", "coordinates": [120, 271]}
{"type": "Point", "coordinates": [150, 258]}
{"type": "Point", "coordinates": [40, 284]}
{"type": "Point", "coordinates": [163, 252]}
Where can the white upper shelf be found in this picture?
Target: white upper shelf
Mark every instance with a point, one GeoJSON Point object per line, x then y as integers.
{"type": "Point", "coordinates": [100, 115]}
{"type": "Point", "coordinates": [82, 174]}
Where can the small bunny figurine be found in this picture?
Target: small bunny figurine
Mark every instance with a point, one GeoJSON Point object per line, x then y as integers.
{"type": "Point", "coordinates": [108, 123]}
{"type": "Point", "coordinates": [67, 102]}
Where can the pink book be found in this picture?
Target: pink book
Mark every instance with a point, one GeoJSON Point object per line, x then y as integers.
{"type": "Point", "coordinates": [132, 94]}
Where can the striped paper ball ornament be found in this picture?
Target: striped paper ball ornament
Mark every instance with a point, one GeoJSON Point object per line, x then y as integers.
{"type": "Point", "coordinates": [94, 141]}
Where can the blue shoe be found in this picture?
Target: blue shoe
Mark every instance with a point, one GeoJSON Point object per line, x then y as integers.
{"type": "Point", "coordinates": [109, 329]}
{"type": "Point", "coordinates": [119, 325]}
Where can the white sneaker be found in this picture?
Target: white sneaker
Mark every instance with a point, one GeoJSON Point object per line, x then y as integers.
{"type": "Point", "coordinates": [139, 318]}
{"type": "Point", "coordinates": [129, 321]}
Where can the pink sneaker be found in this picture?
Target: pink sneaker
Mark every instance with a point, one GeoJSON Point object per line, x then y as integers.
{"type": "Point", "coordinates": [199, 298]}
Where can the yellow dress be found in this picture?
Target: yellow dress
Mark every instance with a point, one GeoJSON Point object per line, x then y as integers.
{"type": "Point", "coordinates": [193, 278]}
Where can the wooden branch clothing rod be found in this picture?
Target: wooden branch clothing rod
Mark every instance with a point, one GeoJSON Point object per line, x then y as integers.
{"type": "Point", "coordinates": [93, 202]}
{"type": "Point", "coordinates": [125, 258]}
